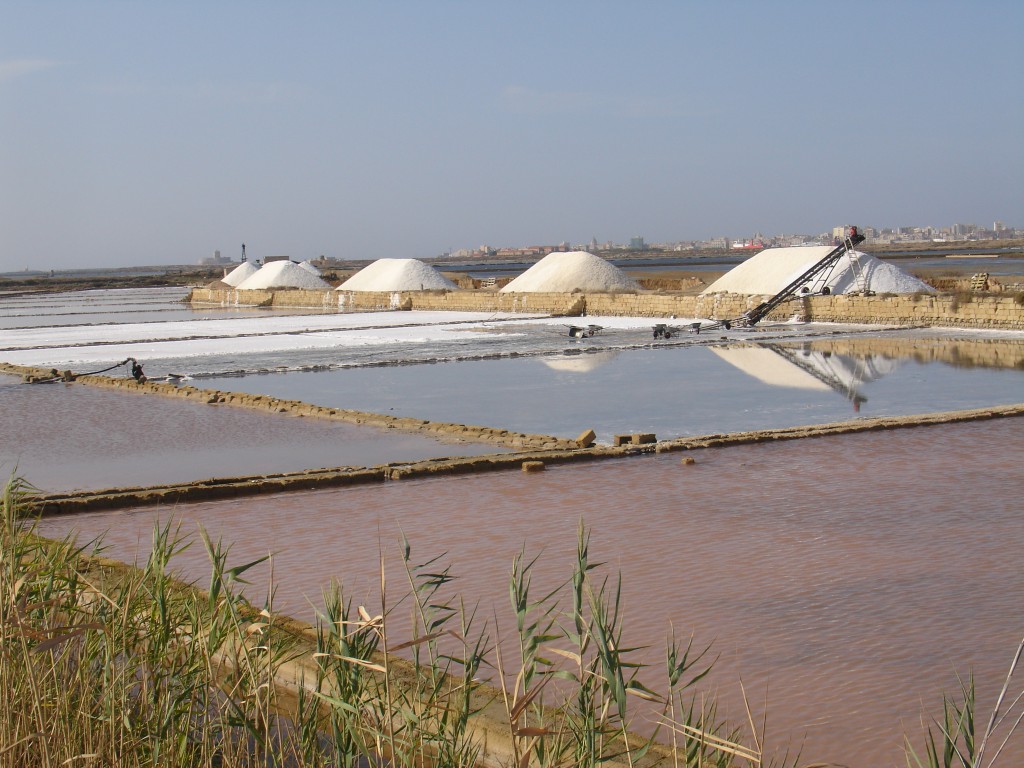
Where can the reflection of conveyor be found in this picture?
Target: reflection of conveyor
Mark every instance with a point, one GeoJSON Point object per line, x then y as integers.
{"type": "Point", "coordinates": [780, 365]}
{"type": "Point", "coordinates": [823, 373]}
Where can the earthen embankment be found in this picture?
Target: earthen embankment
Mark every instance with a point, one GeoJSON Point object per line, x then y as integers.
{"type": "Point", "coordinates": [220, 488]}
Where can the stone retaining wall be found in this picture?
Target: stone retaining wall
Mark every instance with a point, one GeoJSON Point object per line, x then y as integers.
{"type": "Point", "coordinates": [971, 312]}
{"type": "Point", "coordinates": [1001, 312]}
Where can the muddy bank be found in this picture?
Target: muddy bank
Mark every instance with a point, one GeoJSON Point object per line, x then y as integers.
{"type": "Point", "coordinates": [49, 504]}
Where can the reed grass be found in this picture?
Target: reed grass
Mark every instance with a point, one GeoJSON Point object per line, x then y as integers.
{"type": "Point", "coordinates": [953, 741]}
{"type": "Point", "coordinates": [104, 664]}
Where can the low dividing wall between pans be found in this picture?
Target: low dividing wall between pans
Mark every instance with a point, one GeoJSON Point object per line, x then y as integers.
{"type": "Point", "coordinates": [220, 488]}
{"type": "Point", "coordinates": [997, 312]}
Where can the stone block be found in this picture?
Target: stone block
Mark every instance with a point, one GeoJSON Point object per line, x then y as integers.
{"type": "Point", "coordinates": [533, 466]}
{"type": "Point", "coordinates": [586, 439]}
{"type": "Point", "coordinates": [643, 438]}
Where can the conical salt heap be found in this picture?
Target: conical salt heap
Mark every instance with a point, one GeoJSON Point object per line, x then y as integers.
{"type": "Point", "coordinates": [397, 275]}
{"type": "Point", "coordinates": [571, 271]}
{"type": "Point", "coordinates": [282, 274]}
{"type": "Point", "coordinates": [773, 269]}
{"type": "Point", "coordinates": [240, 274]}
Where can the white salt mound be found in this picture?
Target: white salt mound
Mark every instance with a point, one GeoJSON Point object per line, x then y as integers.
{"type": "Point", "coordinates": [310, 267]}
{"type": "Point", "coordinates": [240, 274]}
{"type": "Point", "coordinates": [571, 271]}
{"type": "Point", "coordinates": [773, 269]}
{"type": "Point", "coordinates": [397, 275]}
{"type": "Point", "coordinates": [282, 274]}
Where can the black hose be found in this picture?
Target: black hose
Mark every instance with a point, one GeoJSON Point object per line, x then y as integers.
{"type": "Point", "coordinates": [90, 373]}
{"type": "Point", "coordinates": [116, 365]}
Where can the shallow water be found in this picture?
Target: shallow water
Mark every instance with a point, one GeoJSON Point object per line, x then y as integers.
{"type": "Point", "coordinates": [847, 580]}
{"type": "Point", "coordinates": [671, 392]}
{"type": "Point", "coordinates": [69, 436]}
{"type": "Point", "coordinates": [115, 306]}
{"type": "Point", "coordinates": [528, 375]}
{"type": "Point", "coordinates": [999, 266]}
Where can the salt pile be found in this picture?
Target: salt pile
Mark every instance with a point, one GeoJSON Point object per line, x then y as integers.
{"type": "Point", "coordinates": [310, 267]}
{"type": "Point", "coordinates": [240, 274]}
{"type": "Point", "coordinates": [773, 269]}
{"type": "Point", "coordinates": [282, 274]}
{"type": "Point", "coordinates": [397, 275]}
{"type": "Point", "coordinates": [571, 271]}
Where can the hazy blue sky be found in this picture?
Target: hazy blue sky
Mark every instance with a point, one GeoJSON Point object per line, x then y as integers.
{"type": "Point", "coordinates": [156, 132]}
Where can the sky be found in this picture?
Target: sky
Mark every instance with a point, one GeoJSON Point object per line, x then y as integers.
{"type": "Point", "coordinates": [146, 132]}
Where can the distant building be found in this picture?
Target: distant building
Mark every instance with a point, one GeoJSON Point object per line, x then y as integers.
{"type": "Point", "coordinates": [214, 261]}
{"type": "Point", "coordinates": [636, 243]}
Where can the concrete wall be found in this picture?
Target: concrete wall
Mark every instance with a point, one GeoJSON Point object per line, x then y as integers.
{"type": "Point", "coordinates": [1001, 312]}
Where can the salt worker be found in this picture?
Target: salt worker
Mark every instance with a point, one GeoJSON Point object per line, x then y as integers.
{"type": "Point", "coordinates": [137, 373]}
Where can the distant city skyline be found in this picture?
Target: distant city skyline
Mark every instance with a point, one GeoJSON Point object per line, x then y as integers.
{"type": "Point", "coordinates": [904, 234]}
{"type": "Point", "coordinates": [157, 133]}
{"type": "Point", "coordinates": [954, 232]}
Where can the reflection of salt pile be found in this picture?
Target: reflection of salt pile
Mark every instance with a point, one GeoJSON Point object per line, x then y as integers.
{"type": "Point", "coordinates": [580, 363]}
{"type": "Point", "coordinates": [768, 367]}
{"type": "Point", "coordinates": [773, 269]}
{"type": "Point", "coordinates": [785, 366]}
{"type": "Point", "coordinates": [847, 370]}
{"type": "Point", "coordinates": [571, 271]}
{"type": "Point", "coordinates": [397, 275]}
{"type": "Point", "coordinates": [240, 274]}
{"type": "Point", "coordinates": [310, 267]}
{"type": "Point", "coordinates": [282, 274]}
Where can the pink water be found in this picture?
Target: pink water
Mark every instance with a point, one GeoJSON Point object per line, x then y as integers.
{"type": "Point", "coordinates": [845, 580]}
{"type": "Point", "coordinates": [67, 436]}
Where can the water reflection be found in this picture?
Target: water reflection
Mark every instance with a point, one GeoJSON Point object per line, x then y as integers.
{"type": "Point", "coordinates": [578, 361]}
{"type": "Point", "coordinates": [803, 367]}
{"type": "Point", "coordinates": [928, 347]}
{"type": "Point", "coordinates": [674, 391]}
